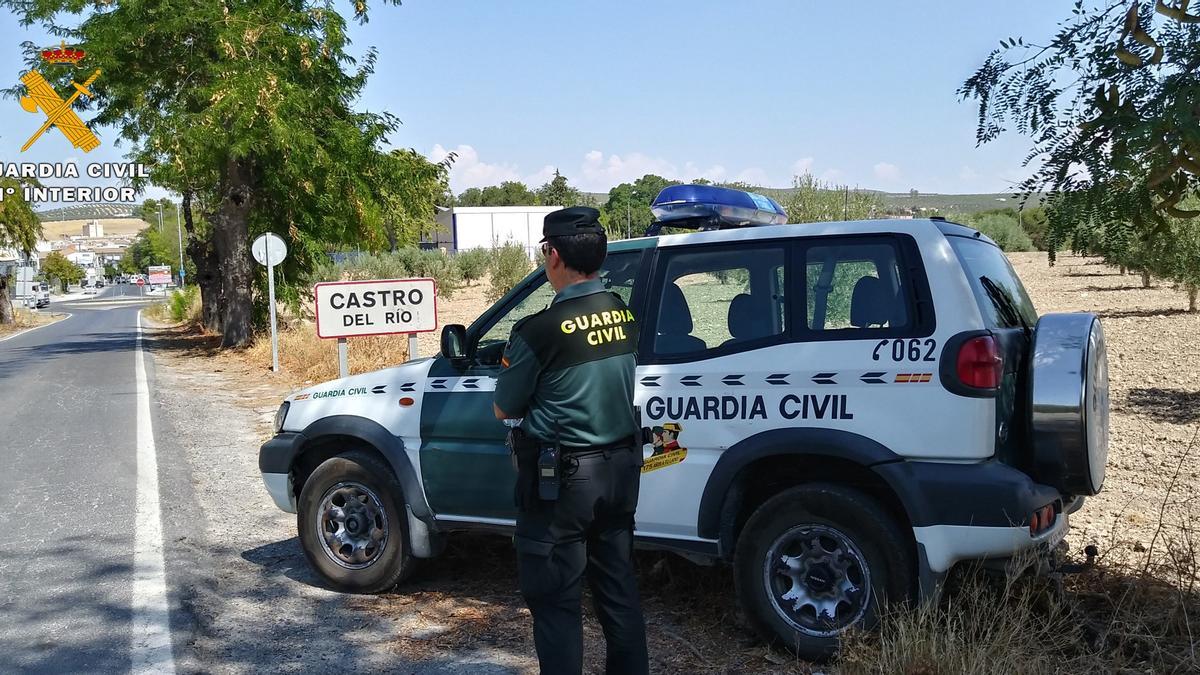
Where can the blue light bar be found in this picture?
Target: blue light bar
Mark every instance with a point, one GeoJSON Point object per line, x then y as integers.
{"type": "Point", "coordinates": [708, 207]}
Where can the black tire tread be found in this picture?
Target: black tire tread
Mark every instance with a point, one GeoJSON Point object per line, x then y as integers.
{"type": "Point", "coordinates": [390, 489]}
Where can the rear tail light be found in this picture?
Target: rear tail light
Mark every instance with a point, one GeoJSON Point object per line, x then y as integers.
{"type": "Point", "coordinates": [1041, 520]}
{"type": "Point", "coordinates": [979, 363]}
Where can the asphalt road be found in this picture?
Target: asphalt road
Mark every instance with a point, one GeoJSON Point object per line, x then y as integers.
{"type": "Point", "coordinates": [135, 533]}
{"type": "Point", "coordinates": [68, 490]}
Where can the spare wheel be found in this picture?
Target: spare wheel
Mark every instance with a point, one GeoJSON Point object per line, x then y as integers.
{"type": "Point", "coordinates": [1069, 402]}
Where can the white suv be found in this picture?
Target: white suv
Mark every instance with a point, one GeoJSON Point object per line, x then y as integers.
{"type": "Point", "coordinates": [843, 411]}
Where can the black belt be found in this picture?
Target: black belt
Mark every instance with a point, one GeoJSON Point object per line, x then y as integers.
{"type": "Point", "coordinates": [626, 443]}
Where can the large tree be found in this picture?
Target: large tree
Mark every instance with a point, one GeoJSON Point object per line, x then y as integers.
{"type": "Point", "coordinates": [19, 230]}
{"type": "Point", "coordinates": [1112, 106]}
{"type": "Point", "coordinates": [508, 193]}
{"type": "Point", "coordinates": [558, 192]}
{"type": "Point", "coordinates": [627, 211]}
{"type": "Point", "coordinates": [247, 110]}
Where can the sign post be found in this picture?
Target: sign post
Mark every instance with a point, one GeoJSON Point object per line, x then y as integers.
{"type": "Point", "coordinates": [347, 309]}
{"type": "Point", "coordinates": [269, 250]}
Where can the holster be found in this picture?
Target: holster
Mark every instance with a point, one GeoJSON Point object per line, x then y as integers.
{"type": "Point", "coordinates": [525, 450]}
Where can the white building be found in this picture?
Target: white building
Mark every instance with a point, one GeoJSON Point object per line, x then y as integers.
{"type": "Point", "coordinates": [467, 227]}
{"type": "Point", "coordinates": [93, 228]}
{"type": "Point", "coordinates": [82, 258]}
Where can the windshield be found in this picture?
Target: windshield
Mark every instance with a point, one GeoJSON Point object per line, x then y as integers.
{"type": "Point", "coordinates": [617, 274]}
{"type": "Point", "coordinates": [998, 291]}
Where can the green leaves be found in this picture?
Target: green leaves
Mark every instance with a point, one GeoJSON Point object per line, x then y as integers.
{"type": "Point", "coordinates": [1109, 106]}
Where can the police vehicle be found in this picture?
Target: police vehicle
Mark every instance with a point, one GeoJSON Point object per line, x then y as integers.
{"type": "Point", "coordinates": [843, 411]}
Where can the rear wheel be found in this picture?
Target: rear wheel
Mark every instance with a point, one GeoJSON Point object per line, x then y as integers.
{"type": "Point", "coordinates": [352, 525]}
{"type": "Point", "coordinates": [817, 560]}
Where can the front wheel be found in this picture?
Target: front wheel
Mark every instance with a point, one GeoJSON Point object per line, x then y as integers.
{"type": "Point", "coordinates": [352, 525]}
{"type": "Point", "coordinates": [817, 560]}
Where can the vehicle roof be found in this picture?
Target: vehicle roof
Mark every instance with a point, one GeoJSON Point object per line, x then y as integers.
{"type": "Point", "coordinates": [830, 228]}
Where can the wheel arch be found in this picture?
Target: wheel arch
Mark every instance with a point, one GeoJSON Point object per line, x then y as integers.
{"type": "Point", "coordinates": [333, 435]}
{"type": "Point", "coordinates": [753, 470]}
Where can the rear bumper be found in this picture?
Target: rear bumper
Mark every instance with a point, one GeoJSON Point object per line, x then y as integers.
{"type": "Point", "coordinates": [967, 512]}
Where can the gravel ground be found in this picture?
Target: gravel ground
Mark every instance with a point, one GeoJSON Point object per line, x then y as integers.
{"type": "Point", "coordinates": [255, 604]}
{"type": "Point", "coordinates": [266, 611]}
{"type": "Point", "coordinates": [1154, 380]}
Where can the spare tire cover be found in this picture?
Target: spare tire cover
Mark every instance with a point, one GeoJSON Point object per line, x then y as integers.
{"type": "Point", "coordinates": [1069, 402]}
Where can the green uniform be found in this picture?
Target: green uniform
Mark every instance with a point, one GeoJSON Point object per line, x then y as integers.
{"type": "Point", "coordinates": [568, 370]}
{"type": "Point", "coordinates": [572, 366]}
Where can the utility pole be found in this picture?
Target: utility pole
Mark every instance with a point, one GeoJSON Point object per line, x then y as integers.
{"type": "Point", "coordinates": [160, 217]}
{"type": "Point", "coordinates": [628, 221]}
{"type": "Point", "coordinates": [179, 231]}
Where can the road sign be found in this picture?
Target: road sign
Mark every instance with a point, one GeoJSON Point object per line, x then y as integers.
{"type": "Point", "coordinates": [269, 250]}
{"type": "Point", "coordinates": [358, 308]}
{"type": "Point", "coordinates": [160, 275]}
{"type": "Point", "coordinates": [268, 245]}
{"type": "Point", "coordinates": [141, 281]}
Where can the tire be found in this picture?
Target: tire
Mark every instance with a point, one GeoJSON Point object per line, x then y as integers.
{"type": "Point", "coordinates": [832, 537]}
{"type": "Point", "coordinates": [363, 549]}
{"type": "Point", "coordinates": [1068, 402]}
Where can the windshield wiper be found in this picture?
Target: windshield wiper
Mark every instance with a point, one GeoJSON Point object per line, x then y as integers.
{"type": "Point", "coordinates": [1005, 304]}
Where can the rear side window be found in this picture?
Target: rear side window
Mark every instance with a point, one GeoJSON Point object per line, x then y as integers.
{"type": "Point", "coordinates": [856, 289]}
{"type": "Point", "coordinates": [719, 300]}
{"type": "Point", "coordinates": [998, 291]}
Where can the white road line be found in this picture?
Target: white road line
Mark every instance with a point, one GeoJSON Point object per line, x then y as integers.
{"type": "Point", "coordinates": [151, 635]}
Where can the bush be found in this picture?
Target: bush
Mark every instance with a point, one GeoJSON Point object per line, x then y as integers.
{"type": "Point", "coordinates": [1005, 231]}
{"type": "Point", "coordinates": [473, 264]}
{"type": "Point", "coordinates": [509, 264]}
{"type": "Point", "coordinates": [403, 264]}
{"type": "Point", "coordinates": [184, 305]}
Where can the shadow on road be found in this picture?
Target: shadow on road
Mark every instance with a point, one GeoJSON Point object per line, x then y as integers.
{"type": "Point", "coordinates": [465, 601]}
{"type": "Point", "coordinates": [65, 607]}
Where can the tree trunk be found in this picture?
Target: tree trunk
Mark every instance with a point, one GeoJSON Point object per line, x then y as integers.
{"type": "Point", "coordinates": [1192, 290]}
{"type": "Point", "coordinates": [1145, 278]}
{"type": "Point", "coordinates": [204, 257]}
{"type": "Point", "coordinates": [1122, 270]}
{"type": "Point", "coordinates": [7, 315]}
{"type": "Point", "coordinates": [230, 233]}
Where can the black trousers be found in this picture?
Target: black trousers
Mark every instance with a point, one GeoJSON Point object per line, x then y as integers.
{"type": "Point", "coordinates": [589, 529]}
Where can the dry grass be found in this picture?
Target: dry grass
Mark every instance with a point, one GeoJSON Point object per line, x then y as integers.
{"type": "Point", "coordinates": [306, 358]}
{"type": "Point", "coordinates": [59, 229]}
{"type": "Point", "coordinates": [24, 318]}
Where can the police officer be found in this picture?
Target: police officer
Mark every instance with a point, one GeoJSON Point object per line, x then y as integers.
{"type": "Point", "coordinates": [568, 372]}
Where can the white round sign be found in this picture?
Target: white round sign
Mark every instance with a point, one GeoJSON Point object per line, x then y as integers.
{"type": "Point", "coordinates": [268, 249]}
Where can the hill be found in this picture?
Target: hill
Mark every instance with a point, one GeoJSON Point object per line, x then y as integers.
{"type": "Point", "coordinates": [87, 212]}
{"type": "Point", "coordinates": [60, 229]}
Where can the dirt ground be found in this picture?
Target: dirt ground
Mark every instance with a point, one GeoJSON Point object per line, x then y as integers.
{"type": "Point", "coordinates": [1154, 381]}
{"type": "Point", "coordinates": [466, 600]}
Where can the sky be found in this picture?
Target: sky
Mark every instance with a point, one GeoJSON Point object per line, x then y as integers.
{"type": "Point", "coordinates": [857, 93]}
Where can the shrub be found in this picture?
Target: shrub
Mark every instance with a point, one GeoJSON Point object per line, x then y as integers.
{"type": "Point", "coordinates": [473, 264]}
{"type": "Point", "coordinates": [184, 305]}
{"type": "Point", "coordinates": [509, 264]}
{"type": "Point", "coordinates": [1005, 231]}
{"type": "Point", "coordinates": [402, 264]}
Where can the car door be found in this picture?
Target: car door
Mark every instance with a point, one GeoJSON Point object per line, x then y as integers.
{"type": "Point", "coordinates": [465, 465]}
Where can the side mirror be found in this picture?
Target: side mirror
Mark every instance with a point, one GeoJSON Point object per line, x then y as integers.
{"type": "Point", "coordinates": [454, 342]}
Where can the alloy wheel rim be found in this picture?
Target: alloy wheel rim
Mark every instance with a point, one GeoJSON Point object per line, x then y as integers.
{"type": "Point", "coordinates": [817, 579]}
{"type": "Point", "coordinates": [352, 525]}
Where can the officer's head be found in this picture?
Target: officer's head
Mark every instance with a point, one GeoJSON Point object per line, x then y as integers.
{"type": "Point", "coordinates": [574, 245]}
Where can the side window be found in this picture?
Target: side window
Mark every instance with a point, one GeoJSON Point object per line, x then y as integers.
{"type": "Point", "coordinates": [617, 274]}
{"type": "Point", "coordinates": [713, 299]}
{"type": "Point", "coordinates": [853, 287]}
